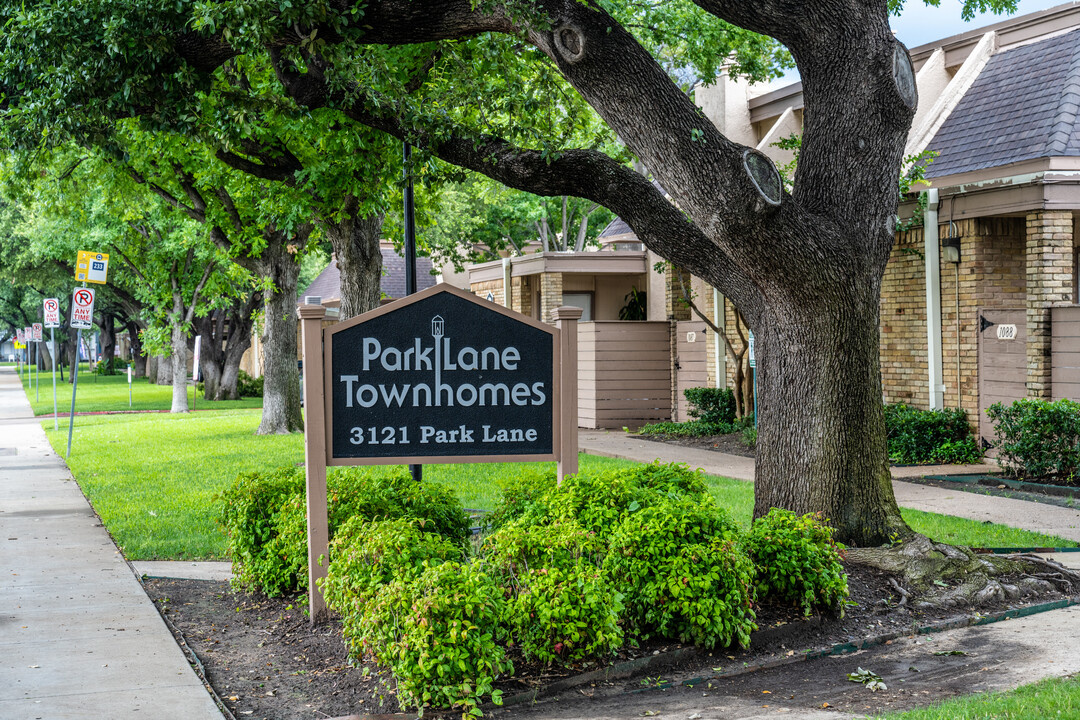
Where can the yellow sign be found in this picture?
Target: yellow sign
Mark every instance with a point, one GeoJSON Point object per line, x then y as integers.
{"type": "Point", "coordinates": [19, 345]}
{"type": "Point", "coordinates": [92, 267]}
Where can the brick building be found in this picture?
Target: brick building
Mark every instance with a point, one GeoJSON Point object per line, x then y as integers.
{"type": "Point", "coordinates": [977, 304]}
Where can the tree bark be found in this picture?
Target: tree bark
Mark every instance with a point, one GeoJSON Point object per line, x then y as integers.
{"type": "Point", "coordinates": [108, 340]}
{"type": "Point", "coordinates": [164, 370]}
{"type": "Point", "coordinates": [821, 431]}
{"type": "Point", "coordinates": [137, 357]}
{"type": "Point", "coordinates": [355, 239]}
{"type": "Point", "coordinates": [179, 359]}
{"type": "Point", "coordinates": [281, 386]}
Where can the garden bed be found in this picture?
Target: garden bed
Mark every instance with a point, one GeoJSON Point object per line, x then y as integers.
{"type": "Point", "coordinates": [264, 661]}
{"type": "Point", "coordinates": [731, 444]}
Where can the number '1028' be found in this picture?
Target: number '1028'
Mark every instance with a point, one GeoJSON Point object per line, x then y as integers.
{"type": "Point", "coordinates": [379, 436]}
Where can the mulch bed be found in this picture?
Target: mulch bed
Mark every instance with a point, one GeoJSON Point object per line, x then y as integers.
{"type": "Point", "coordinates": [263, 660]}
{"type": "Point", "coordinates": [731, 444]}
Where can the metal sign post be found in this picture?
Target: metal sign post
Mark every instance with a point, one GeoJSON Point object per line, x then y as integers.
{"type": "Point", "coordinates": [52, 320]}
{"type": "Point", "coordinates": [129, 387]}
{"type": "Point", "coordinates": [52, 341]}
{"type": "Point", "coordinates": [37, 361]}
{"type": "Point", "coordinates": [82, 318]}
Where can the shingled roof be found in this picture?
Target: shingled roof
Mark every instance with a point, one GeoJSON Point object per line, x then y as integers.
{"type": "Point", "coordinates": [328, 284]}
{"type": "Point", "coordinates": [1024, 105]}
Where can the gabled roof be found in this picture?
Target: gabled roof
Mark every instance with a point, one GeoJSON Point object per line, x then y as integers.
{"type": "Point", "coordinates": [1023, 105]}
{"type": "Point", "coordinates": [328, 284]}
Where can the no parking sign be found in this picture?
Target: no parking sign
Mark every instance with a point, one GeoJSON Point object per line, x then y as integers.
{"type": "Point", "coordinates": [82, 308]}
{"type": "Point", "coordinates": [52, 313]}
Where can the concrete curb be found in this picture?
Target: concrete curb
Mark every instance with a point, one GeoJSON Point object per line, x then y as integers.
{"type": "Point", "coordinates": [632, 667]}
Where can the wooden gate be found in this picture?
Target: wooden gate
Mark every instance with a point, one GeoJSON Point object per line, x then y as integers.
{"type": "Point", "coordinates": [1065, 352]}
{"type": "Point", "coordinates": [1002, 362]}
{"type": "Point", "coordinates": [624, 373]}
{"type": "Point", "coordinates": [691, 363]}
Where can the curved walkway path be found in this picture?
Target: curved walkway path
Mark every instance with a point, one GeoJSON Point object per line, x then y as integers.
{"type": "Point", "coordinates": [78, 636]}
{"type": "Point", "coordinates": [1038, 517]}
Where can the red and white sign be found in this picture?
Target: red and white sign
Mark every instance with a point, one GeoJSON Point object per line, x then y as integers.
{"type": "Point", "coordinates": [20, 335]}
{"type": "Point", "coordinates": [37, 332]}
{"type": "Point", "coordinates": [52, 313]}
{"type": "Point", "coordinates": [82, 308]}
{"type": "Point", "coordinates": [28, 333]}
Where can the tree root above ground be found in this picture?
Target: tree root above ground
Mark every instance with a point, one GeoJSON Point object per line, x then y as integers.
{"type": "Point", "coordinates": [940, 575]}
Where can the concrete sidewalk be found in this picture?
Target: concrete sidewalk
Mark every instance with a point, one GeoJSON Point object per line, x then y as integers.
{"type": "Point", "coordinates": [78, 635]}
{"type": "Point", "coordinates": [1038, 517]}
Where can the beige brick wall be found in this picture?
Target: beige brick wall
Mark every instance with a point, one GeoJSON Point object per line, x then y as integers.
{"type": "Point", "coordinates": [903, 323]}
{"type": "Point", "coordinates": [551, 289]}
{"type": "Point", "coordinates": [495, 287]}
{"type": "Point", "coordinates": [991, 274]}
{"type": "Point", "coordinates": [1049, 282]}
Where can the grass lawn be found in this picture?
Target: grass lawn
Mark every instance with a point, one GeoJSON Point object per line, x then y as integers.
{"type": "Point", "coordinates": [1052, 698]}
{"type": "Point", "coordinates": [152, 478]}
{"type": "Point", "coordinates": [109, 393]}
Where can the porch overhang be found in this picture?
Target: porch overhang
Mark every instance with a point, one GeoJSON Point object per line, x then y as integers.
{"type": "Point", "coordinates": [614, 262]}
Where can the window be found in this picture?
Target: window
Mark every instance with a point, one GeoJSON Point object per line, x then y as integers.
{"type": "Point", "coordinates": [583, 300]}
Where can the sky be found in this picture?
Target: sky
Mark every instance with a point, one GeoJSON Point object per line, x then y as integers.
{"type": "Point", "coordinates": [919, 23]}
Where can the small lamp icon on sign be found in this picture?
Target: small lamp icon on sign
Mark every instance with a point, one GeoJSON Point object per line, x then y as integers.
{"type": "Point", "coordinates": [437, 326]}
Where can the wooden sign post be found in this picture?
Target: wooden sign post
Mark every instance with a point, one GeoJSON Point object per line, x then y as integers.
{"type": "Point", "coordinates": [441, 376]}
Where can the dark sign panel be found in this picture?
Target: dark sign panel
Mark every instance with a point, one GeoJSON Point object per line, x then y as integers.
{"type": "Point", "coordinates": [442, 374]}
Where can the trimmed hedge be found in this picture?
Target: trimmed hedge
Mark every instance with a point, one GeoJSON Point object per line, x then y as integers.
{"type": "Point", "coordinates": [264, 517]}
{"type": "Point", "coordinates": [713, 406]}
{"type": "Point", "coordinates": [1037, 438]}
{"type": "Point", "coordinates": [797, 560]}
{"type": "Point", "coordinates": [565, 575]}
{"type": "Point", "coordinates": [929, 436]}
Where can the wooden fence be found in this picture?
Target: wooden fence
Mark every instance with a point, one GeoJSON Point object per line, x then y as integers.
{"type": "Point", "coordinates": [624, 373]}
{"type": "Point", "coordinates": [1065, 352]}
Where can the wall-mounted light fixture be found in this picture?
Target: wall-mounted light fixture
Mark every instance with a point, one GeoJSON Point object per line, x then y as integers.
{"type": "Point", "coordinates": [950, 245]}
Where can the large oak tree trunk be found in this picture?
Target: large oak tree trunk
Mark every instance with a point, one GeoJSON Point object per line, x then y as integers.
{"type": "Point", "coordinates": [821, 433]}
{"type": "Point", "coordinates": [108, 340]}
{"type": "Point", "coordinates": [137, 356]}
{"type": "Point", "coordinates": [355, 240]}
{"type": "Point", "coordinates": [178, 361]}
{"type": "Point", "coordinates": [281, 386]}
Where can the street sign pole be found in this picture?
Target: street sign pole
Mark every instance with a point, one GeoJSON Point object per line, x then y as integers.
{"type": "Point", "coordinates": [52, 341]}
{"type": "Point", "coordinates": [82, 317]}
{"type": "Point", "coordinates": [37, 372]}
{"type": "Point", "coordinates": [416, 470]}
{"type": "Point", "coordinates": [74, 388]}
{"type": "Point", "coordinates": [129, 387]}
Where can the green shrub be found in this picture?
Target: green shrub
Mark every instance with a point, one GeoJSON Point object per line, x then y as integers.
{"type": "Point", "coordinates": [249, 516]}
{"type": "Point", "coordinates": [439, 634]}
{"type": "Point", "coordinates": [565, 614]}
{"type": "Point", "coordinates": [599, 502]}
{"type": "Point", "coordinates": [268, 539]}
{"type": "Point", "coordinates": [683, 574]}
{"type": "Point", "coordinates": [595, 501]}
{"type": "Point", "coordinates": [522, 494]}
{"type": "Point", "coordinates": [1036, 438]}
{"type": "Point", "coordinates": [714, 406]}
{"type": "Point", "coordinates": [929, 436]}
{"type": "Point", "coordinates": [367, 555]}
{"type": "Point", "coordinates": [518, 547]}
{"type": "Point", "coordinates": [247, 386]}
{"type": "Point", "coordinates": [749, 437]}
{"type": "Point", "coordinates": [693, 428]}
{"type": "Point", "coordinates": [797, 560]}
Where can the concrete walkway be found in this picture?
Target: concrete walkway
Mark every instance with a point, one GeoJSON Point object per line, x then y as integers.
{"type": "Point", "coordinates": [1038, 517]}
{"type": "Point", "coordinates": [78, 636]}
